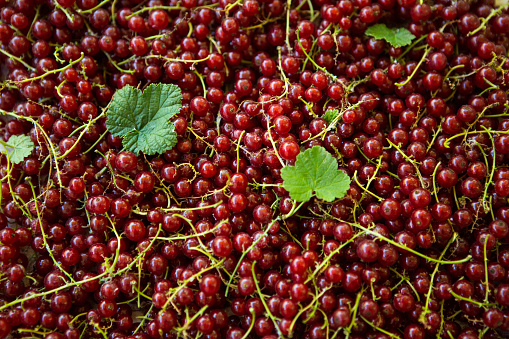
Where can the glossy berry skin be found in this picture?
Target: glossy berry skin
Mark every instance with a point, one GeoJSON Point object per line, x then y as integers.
{"type": "Point", "coordinates": [390, 209]}
{"type": "Point", "coordinates": [134, 230]}
{"type": "Point", "coordinates": [125, 161]}
{"type": "Point", "coordinates": [367, 251]}
{"type": "Point", "coordinates": [144, 182]}
{"type": "Point", "coordinates": [209, 238]}
{"type": "Point", "coordinates": [210, 284]}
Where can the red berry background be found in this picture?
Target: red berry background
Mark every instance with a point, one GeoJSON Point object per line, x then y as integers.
{"type": "Point", "coordinates": [203, 241]}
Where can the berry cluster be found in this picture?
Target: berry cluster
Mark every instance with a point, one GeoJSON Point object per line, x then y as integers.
{"type": "Point", "coordinates": [204, 241]}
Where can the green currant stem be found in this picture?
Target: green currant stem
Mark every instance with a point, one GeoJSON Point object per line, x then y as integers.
{"type": "Point", "coordinates": [447, 141]}
{"type": "Point", "coordinates": [66, 12]}
{"type": "Point", "coordinates": [36, 16]}
{"type": "Point", "coordinates": [441, 328]}
{"type": "Point", "coordinates": [185, 282]}
{"type": "Point", "coordinates": [285, 79]}
{"type": "Point", "coordinates": [60, 86]}
{"type": "Point", "coordinates": [405, 279]}
{"type": "Point", "coordinates": [146, 9]}
{"type": "Point", "coordinates": [77, 316]}
{"type": "Point", "coordinates": [190, 208]}
{"type": "Point", "coordinates": [96, 7]}
{"type": "Point", "coordinates": [365, 189]}
{"type": "Point", "coordinates": [434, 181]}
{"type": "Point", "coordinates": [143, 319]}
{"type": "Point", "coordinates": [401, 280]}
{"type": "Point", "coordinates": [192, 227]}
{"type": "Point", "coordinates": [113, 12]}
{"type": "Point", "coordinates": [410, 48]}
{"type": "Point", "coordinates": [378, 328]}
{"type": "Point", "coordinates": [487, 19]}
{"type": "Point", "coordinates": [490, 181]}
{"type": "Point", "coordinates": [172, 59]}
{"type": "Point", "coordinates": [288, 8]}
{"type": "Point", "coordinates": [435, 135]}
{"type": "Point", "coordinates": [326, 321]}
{"type": "Point", "coordinates": [108, 166]}
{"type": "Point", "coordinates": [27, 330]}
{"type": "Point", "coordinates": [452, 69]}
{"type": "Point", "coordinates": [269, 314]}
{"type": "Point", "coordinates": [299, 6]}
{"type": "Point", "coordinates": [184, 237]}
{"type": "Point", "coordinates": [200, 76]}
{"type": "Point", "coordinates": [451, 96]}
{"type": "Point", "coordinates": [486, 296]}
{"type": "Point", "coordinates": [260, 25]}
{"type": "Point", "coordinates": [44, 236]}
{"type": "Point", "coordinates": [354, 311]}
{"type": "Point", "coordinates": [335, 78]}
{"type": "Point", "coordinates": [502, 115]}
{"type": "Point", "coordinates": [416, 68]}
{"type": "Point", "coordinates": [294, 209]}
{"type": "Point", "coordinates": [392, 242]}
{"type": "Point", "coordinates": [371, 179]}
{"type": "Point", "coordinates": [251, 326]}
{"type": "Point", "coordinates": [85, 127]}
{"type": "Point", "coordinates": [311, 8]}
{"type": "Point", "coordinates": [131, 264]}
{"type": "Point", "coordinates": [238, 148]}
{"type": "Point", "coordinates": [470, 300]}
{"type": "Point", "coordinates": [100, 330]}
{"type": "Point", "coordinates": [230, 6]}
{"type": "Point", "coordinates": [42, 294]}
{"type": "Point", "coordinates": [84, 331]}
{"type": "Point", "coordinates": [493, 166]}
{"type": "Point", "coordinates": [153, 37]}
{"type": "Point", "coordinates": [412, 161]}
{"type": "Point", "coordinates": [331, 254]}
{"type": "Point", "coordinates": [311, 52]}
{"type": "Point", "coordinates": [274, 147]}
{"type": "Point", "coordinates": [422, 317]}
{"type": "Point", "coordinates": [257, 185]}
{"type": "Point", "coordinates": [218, 49]}
{"type": "Point", "coordinates": [192, 319]}
{"type": "Point", "coordinates": [31, 278]}
{"type": "Point", "coordinates": [15, 197]}
{"type": "Point", "coordinates": [492, 86]}
{"type": "Point", "coordinates": [304, 309]}
{"type": "Point", "coordinates": [359, 149]}
{"type": "Point", "coordinates": [117, 250]}
{"type": "Point", "coordinates": [190, 129]}
{"type": "Point", "coordinates": [117, 65]}
{"type": "Point", "coordinates": [18, 60]}
{"type": "Point", "coordinates": [141, 293]}
{"type": "Point", "coordinates": [455, 197]}
{"type": "Point", "coordinates": [244, 253]}
{"type": "Point", "coordinates": [95, 143]}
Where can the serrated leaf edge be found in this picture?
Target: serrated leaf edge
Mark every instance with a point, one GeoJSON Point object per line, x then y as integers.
{"type": "Point", "coordinates": [175, 98]}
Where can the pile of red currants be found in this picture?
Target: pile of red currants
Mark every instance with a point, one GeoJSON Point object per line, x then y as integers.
{"type": "Point", "coordinates": [203, 240]}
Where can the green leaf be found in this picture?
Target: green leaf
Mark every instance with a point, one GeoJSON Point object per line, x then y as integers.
{"type": "Point", "coordinates": [18, 148]}
{"type": "Point", "coordinates": [143, 119]}
{"type": "Point", "coordinates": [397, 37]}
{"type": "Point", "coordinates": [315, 173]}
{"type": "Point", "coordinates": [330, 115]}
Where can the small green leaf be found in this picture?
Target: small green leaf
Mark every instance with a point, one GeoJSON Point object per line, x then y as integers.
{"type": "Point", "coordinates": [397, 37]}
{"type": "Point", "coordinates": [143, 119]}
{"type": "Point", "coordinates": [315, 173]}
{"type": "Point", "coordinates": [18, 148]}
{"type": "Point", "coordinates": [330, 115]}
